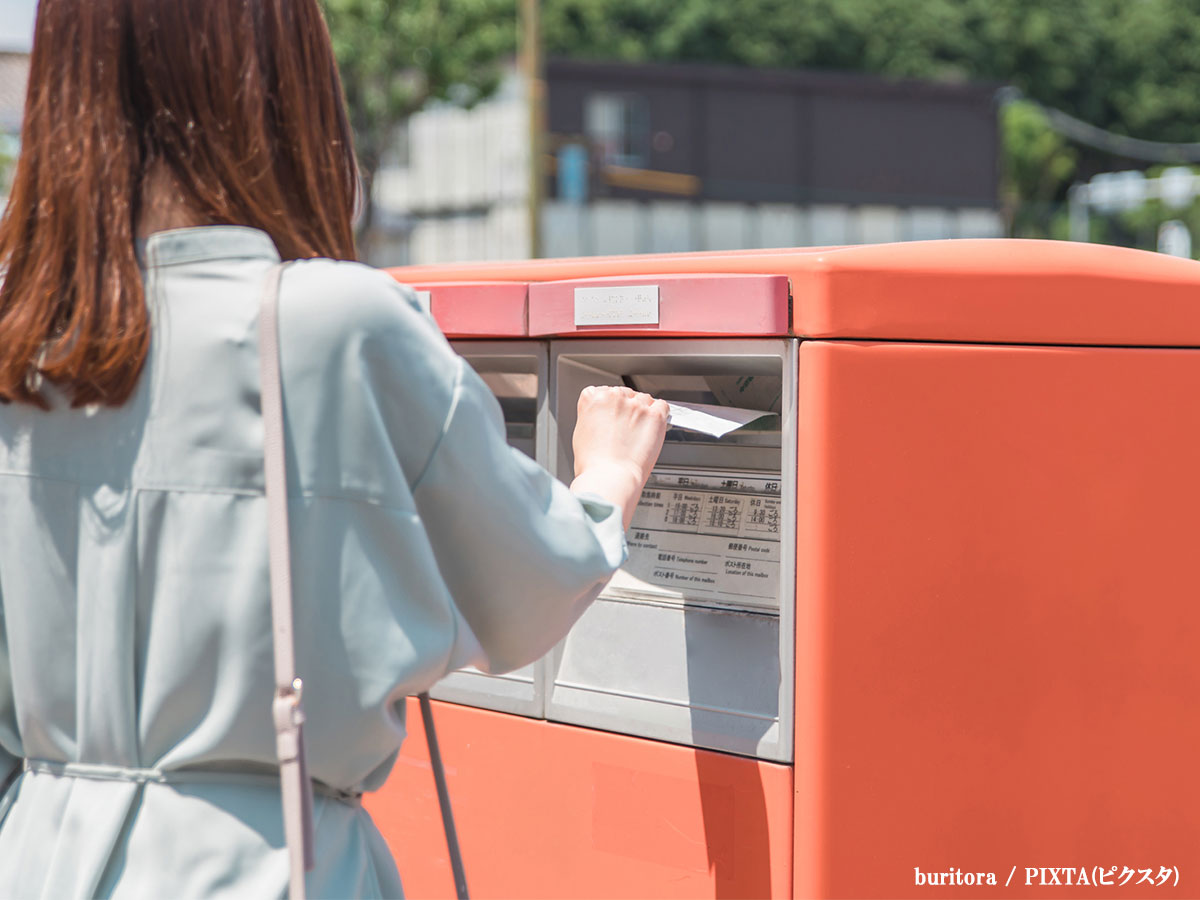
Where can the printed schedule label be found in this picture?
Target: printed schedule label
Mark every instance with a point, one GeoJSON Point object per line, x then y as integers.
{"type": "Point", "coordinates": [707, 536]}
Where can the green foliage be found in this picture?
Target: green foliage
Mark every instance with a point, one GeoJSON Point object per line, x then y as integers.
{"type": "Point", "coordinates": [1038, 165]}
{"type": "Point", "coordinates": [900, 37]}
{"type": "Point", "coordinates": [396, 56]}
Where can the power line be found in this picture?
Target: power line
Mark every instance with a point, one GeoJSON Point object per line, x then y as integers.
{"type": "Point", "coordinates": [1110, 142]}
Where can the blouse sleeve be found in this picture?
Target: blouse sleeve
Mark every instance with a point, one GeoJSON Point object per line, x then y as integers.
{"type": "Point", "coordinates": [522, 555]}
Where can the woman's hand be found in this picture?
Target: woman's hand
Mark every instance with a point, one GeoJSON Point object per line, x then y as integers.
{"type": "Point", "coordinates": [618, 436]}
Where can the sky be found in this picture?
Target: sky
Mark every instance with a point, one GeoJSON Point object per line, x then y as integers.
{"type": "Point", "coordinates": [16, 24]}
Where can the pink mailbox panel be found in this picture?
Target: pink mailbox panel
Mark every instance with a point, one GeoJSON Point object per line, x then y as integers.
{"type": "Point", "coordinates": [482, 309]}
{"type": "Point", "coordinates": [695, 304]}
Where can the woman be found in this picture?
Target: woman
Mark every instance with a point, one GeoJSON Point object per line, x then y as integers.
{"type": "Point", "coordinates": [173, 153]}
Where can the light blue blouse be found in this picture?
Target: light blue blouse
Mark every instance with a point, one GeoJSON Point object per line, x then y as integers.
{"type": "Point", "coordinates": [135, 642]}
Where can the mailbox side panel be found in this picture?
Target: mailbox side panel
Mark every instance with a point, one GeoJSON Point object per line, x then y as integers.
{"type": "Point", "coordinates": [997, 618]}
{"type": "Point", "coordinates": [553, 811]}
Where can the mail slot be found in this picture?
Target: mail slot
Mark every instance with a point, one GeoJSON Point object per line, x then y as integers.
{"type": "Point", "coordinates": [692, 641]}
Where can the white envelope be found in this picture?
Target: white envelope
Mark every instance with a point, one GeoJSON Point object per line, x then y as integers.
{"type": "Point", "coordinates": [711, 419]}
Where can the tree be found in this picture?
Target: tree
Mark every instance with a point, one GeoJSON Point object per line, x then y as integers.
{"type": "Point", "coordinates": [396, 56]}
{"type": "Point", "coordinates": [897, 37]}
{"type": "Point", "coordinates": [1038, 166]}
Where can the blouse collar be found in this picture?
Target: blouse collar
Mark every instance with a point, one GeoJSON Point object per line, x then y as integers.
{"type": "Point", "coordinates": [206, 243]}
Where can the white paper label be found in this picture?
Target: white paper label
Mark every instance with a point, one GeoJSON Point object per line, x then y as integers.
{"type": "Point", "coordinates": [704, 536]}
{"type": "Point", "coordinates": [625, 305]}
{"type": "Point", "coordinates": [425, 301]}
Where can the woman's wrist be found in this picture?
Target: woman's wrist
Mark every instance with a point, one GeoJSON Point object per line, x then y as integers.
{"type": "Point", "coordinates": [618, 482]}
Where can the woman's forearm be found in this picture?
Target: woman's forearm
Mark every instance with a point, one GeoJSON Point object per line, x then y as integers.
{"type": "Point", "coordinates": [620, 485]}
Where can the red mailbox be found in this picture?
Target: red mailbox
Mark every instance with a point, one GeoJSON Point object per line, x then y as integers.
{"type": "Point", "coordinates": [968, 652]}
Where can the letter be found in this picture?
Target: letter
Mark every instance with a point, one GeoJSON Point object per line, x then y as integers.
{"type": "Point", "coordinates": [918, 875]}
{"type": "Point", "coordinates": [1083, 879]}
{"type": "Point", "coordinates": [991, 878]}
{"type": "Point", "coordinates": [1030, 874]}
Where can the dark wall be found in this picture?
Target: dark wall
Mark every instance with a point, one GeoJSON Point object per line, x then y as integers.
{"type": "Point", "coordinates": [763, 136]}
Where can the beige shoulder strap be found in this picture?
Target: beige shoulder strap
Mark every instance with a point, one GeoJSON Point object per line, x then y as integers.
{"type": "Point", "coordinates": [288, 712]}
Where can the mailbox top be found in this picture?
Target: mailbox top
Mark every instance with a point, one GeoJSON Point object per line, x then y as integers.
{"type": "Point", "coordinates": [989, 291]}
{"type": "Point", "coordinates": [475, 309]}
{"type": "Point", "coordinates": [701, 304]}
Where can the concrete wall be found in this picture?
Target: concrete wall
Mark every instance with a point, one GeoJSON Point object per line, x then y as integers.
{"type": "Point", "coordinates": [608, 227]}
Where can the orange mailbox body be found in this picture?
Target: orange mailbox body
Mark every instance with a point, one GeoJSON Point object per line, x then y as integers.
{"type": "Point", "coordinates": [986, 594]}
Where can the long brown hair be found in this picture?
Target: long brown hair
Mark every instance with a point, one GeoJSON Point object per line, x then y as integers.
{"type": "Point", "coordinates": [237, 102]}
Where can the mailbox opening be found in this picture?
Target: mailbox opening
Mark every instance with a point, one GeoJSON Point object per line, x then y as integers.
{"type": "Point", "coordinates": [516, 372]}
{"type": "Point", "coordinates": [747, 391]}
{"type": "Point", "coordinates": [518, 395]}
{"type": "Point", "coordinates": [691, 641]}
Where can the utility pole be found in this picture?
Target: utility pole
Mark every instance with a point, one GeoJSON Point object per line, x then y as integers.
{"type": "Point", "coordinates": [533, 72]}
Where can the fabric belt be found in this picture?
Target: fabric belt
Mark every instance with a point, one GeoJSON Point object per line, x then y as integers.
{"type": "Point", "coordinates": [180, 776]}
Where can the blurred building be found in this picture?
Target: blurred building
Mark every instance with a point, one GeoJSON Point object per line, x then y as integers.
{"type": "Point", "coordinates": [455, 184]}
{"type": "Point", "coordinates": [655, 158]}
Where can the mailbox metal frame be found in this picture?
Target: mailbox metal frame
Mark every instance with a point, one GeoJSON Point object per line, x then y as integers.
{"type": "Point", "coordinates": [779, 748]}
{"type": "Point", "coordinates": [521, 692]}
